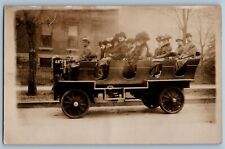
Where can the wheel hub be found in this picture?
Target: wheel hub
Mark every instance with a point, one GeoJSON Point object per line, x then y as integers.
{"type": "Point", "coordinates": [174, 100]}
{"type": "Point", "coordinates": [75, 104]}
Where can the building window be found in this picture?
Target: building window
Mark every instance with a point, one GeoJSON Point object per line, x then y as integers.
{"type": "Point", "coordinates": [73, 37]}
{"type": "Point", "coordinates": [46, 35]}
{"type": "Point", "coordinates": [45, 62]}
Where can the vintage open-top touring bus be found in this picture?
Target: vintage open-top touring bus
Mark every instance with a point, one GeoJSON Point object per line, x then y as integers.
{"type": "Point", "coordinates": [76, 86]}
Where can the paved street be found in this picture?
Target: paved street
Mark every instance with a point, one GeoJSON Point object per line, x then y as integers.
{"type": "Point", "coordinates": [133, 124]}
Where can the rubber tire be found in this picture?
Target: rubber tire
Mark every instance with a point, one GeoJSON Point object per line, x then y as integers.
{"type": "Point", "coordinates": [162, 94]}
{"type": "Point", "coordinates": [85, 100]}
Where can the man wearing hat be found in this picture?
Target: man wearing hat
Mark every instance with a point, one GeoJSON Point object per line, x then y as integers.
{"type": "Point", "coordinates": [86, 54]}
{"type": "Point", "coordinates": [180, 46]}
{"type": "Point", "coordinates": [189, 49]}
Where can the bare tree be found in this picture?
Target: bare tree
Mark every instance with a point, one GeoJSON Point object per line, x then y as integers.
{"type": "Point", "coordinates": [204, 33]}
{"type": "Point", "coordinates": [32, 21]}
{"type": "Point", "coordinates": [182, 20]}
{"type": "Point", "coordinates": [31, 32]}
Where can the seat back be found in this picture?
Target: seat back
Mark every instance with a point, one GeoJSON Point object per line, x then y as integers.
{"type": "Point", "coordinates": [87, 70]}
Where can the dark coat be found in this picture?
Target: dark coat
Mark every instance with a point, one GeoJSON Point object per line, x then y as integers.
{"type": "Point", "coordinates": [119, 51]}
{"type": "Point", "coordinates": [189, 49]}
{"type": "Point", "coordinates": [87, 54]}
{"type": "Point", "coordinates": [166, 48]}
{"type": "Point", "coordinates": [157, 51]}
{"type": "Point", "coordinates": [180, 49]}
{"type": "Point", "coordinates": [135, 55]}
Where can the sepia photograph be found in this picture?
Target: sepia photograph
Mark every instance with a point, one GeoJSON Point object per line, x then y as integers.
{"type": "Point", "coordinates": [112, 75]}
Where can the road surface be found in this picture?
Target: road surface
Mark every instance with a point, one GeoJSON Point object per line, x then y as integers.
{"type": "Point", "coordinates": [196, 123]}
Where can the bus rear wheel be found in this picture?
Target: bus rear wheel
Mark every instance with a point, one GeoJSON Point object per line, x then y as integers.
{"type": "Point", "coordinates": [171, 100]}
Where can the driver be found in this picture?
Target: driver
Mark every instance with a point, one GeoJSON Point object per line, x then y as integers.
{"type": "Point", "coordinates": [86, 54]}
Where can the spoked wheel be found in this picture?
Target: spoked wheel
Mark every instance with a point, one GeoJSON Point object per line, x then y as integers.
{"type": "Point", "coordinates": [171, 100]}
{"type": "Point", "coordinates": [75, 103]}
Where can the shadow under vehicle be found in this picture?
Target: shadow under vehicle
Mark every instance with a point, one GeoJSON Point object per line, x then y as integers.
{"type": "Point", "coordinates": [76, 85]}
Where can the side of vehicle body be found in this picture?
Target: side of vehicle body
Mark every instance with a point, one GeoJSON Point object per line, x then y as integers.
{"type": "Point", "coordinates": [75, 93]}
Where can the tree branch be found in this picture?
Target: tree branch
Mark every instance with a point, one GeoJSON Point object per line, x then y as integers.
{"type": "Point", "coordinates": [188, 14]}
{"type": "Point", "coordinates": [180, 25]}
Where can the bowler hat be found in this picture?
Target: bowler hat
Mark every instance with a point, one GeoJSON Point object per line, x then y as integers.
{"type": "Point", "coordinates": [188, 35]}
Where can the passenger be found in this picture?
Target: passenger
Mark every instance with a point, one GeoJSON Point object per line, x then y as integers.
{"type": "Point", "coordinates": [160, 43]}
{"type": "Point", "coordinates": [180, 46]}
{"type": "Point", "coordinates": [164, 51]}
{"type": "Point", "coordinates": [190, 49]}
{"type": "Point", "coordinates": [119, 46]}
{"type": "Point", "coordinates": [102, 45]}
{"type": "Point", "coordinates": [102, 66]}
{"type": "Point", "coordinates": [87, 54]}
{"type": "Point", "coordinates": [108, 48]}
{"type": "Point", "coordinates": [115, 40]}
{"type": "Point", "coordinates": [130, 45]}
{"type": "Point", "coordinates": [130, 67]}
{"type": "Point", "coordinates": [188, 52]}
{"type": "Point", "coordinates": [141, 46]}
{"type": "Point", "coordinates": [140, 51]}
{"type": "Point", "coordinates": [166, 47]}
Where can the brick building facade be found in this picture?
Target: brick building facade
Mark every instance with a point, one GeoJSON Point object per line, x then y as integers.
{"type": "Point", "coordinates": [60, 31]}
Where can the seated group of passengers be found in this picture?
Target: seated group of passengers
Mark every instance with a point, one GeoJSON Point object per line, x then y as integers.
{"type": "Point", "coordinates": [134, 49]}
{"type": "Point", "coordinates": [119, 48]}
{"type": "Point", "coordinates": [164, 48]}
{"type": "Point", "coordinates": [183, 52]}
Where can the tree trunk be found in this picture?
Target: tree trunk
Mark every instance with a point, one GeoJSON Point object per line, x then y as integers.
{"type": "Point", "coordinates": [202, 56]}
{"type": "Point", "coordinates": [31, 26]}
